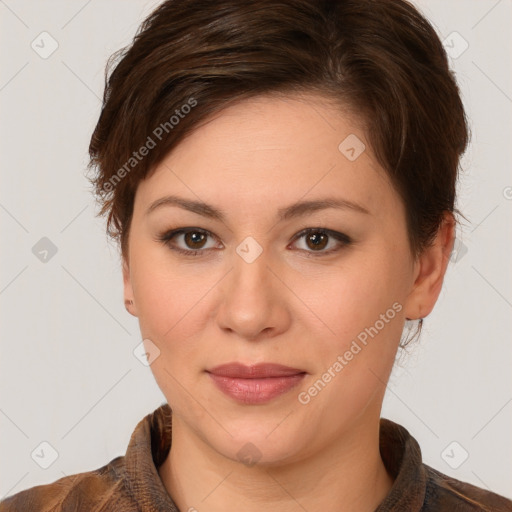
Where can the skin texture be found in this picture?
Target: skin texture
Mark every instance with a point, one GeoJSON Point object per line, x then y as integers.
{"type": "Point", "coordinates": [201, 311]}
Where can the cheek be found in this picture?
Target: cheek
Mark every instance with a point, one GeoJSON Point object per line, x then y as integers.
{"type": "Point", "coordinates": [156, 291]}
{"type": "Point", "coordinates": [172, 305]}
{"type": "Point", "coordinates": [350, 296]}
{"type": "Point", "coordinates": [357, 328]}
{"type": "Point", "coordinates": [172, 314]}
{"type": "Point", "coordinates": [171, 309]}
{"type": "Point", "coordinates": [356, 348]}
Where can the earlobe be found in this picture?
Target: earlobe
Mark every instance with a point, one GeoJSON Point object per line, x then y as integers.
{"type": "Point", "coordinates": [430, 270]}
{"type": "Point", "coordinates": [129, 303]}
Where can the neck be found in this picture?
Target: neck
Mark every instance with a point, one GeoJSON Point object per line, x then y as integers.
{"type": "Point", "coordinates": [347, 476]}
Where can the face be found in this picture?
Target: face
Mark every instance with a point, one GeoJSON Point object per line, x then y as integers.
{"type": "Point", "coordinates": [249, 285]}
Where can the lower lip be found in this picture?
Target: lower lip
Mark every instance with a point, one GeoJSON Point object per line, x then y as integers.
{"type": "Point", "coordinates": [256, 391]}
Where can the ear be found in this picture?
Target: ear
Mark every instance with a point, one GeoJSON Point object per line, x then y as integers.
{"type": "Point", "coordinates": [129, 300]}
{"type": "Point", "coordinates": [429, 271]}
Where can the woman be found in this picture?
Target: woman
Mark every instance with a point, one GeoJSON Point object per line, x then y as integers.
{"type": "Point", "coordinates": [268, 171]}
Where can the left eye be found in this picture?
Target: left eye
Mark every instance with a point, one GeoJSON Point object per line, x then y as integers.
{"type": "Point", "coordinates": [316, 239]}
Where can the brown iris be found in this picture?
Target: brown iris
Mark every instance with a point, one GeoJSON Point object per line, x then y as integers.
{"type": "Point", "coordinates": [319, 240]}
{"type": "Point", "coordinates": [195, 237]}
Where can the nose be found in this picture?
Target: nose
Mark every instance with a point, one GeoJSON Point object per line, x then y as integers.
{"type": "Point", "coordinates": [253, 300]}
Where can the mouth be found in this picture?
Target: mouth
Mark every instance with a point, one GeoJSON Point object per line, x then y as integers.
{"type": "Point", "coordinates": [255, 384]}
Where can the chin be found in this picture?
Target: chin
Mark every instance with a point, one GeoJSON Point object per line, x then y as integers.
{"type": "Point", "coordinates": [262, 443]}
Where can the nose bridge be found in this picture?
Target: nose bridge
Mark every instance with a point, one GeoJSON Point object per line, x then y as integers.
{"type": "Point", "coordinates": [251, 273]}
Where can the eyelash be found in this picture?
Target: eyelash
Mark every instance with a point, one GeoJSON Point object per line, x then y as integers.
{"type": "Point", "coordinates": [343, 239]}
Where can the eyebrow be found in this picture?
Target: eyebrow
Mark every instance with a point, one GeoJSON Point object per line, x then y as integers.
{"type": "Point", "coordinates": [294, 210]}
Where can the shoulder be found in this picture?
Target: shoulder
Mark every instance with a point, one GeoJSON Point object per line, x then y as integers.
{"type": "Point", "coordinates": [100, 489]}
{"type": "Point", "coordinates": [446, 493]}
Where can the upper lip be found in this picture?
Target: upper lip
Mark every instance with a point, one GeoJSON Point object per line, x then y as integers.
{"type": "Point", "coordinates": [257, 371]}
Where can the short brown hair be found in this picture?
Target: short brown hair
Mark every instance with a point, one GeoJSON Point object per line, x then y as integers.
{"type": "Point", "coordinates": [380, 58]}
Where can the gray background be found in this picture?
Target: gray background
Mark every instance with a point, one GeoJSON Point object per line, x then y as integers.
{"type": "Point", "coordinates": [68, 375]}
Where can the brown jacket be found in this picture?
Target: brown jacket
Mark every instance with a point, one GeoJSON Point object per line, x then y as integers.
{"type": "Point", "coordinates": [132, 483]}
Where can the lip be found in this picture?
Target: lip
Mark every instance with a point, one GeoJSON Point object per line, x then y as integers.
{"type": "Point", "coordinates": [256, 371]}
{"type": "Point", "coordinates": [255, 384]}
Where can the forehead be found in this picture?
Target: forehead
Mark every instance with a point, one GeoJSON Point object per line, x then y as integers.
{"type": "Point", "coordinates": [272, 150]}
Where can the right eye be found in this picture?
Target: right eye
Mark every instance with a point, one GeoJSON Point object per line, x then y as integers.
{"type": "Point", "coordinates": [192, 238]}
